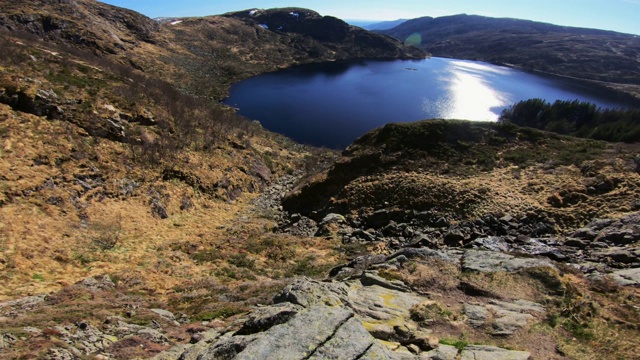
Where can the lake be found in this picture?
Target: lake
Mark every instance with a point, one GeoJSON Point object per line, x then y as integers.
{"type": "Point", "coordinates": [332, 104]}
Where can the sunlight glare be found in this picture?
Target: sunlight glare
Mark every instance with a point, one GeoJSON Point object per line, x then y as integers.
{"type": "Point", "coordinates": [471, 96]}
{"type": "Point", "coordinates": [414, 39]}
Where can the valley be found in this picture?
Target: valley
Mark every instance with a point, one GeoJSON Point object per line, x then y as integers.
{"type": "Point", "coordinates": [140, 218]}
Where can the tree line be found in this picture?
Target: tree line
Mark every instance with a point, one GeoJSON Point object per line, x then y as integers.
{"type": "Point", "coordinates": [576, 118]}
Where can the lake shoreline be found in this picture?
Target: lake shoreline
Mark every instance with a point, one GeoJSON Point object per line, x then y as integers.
{"type": "Point", "coordinates": [331, 104]}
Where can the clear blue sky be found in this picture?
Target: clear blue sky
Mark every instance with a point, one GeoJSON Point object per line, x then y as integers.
{"type": "Point", "coordinates": [617, 15]}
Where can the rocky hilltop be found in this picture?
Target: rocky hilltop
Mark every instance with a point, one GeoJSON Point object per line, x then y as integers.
{"type": "Point", "coordinates": [465, 170]}
{"type": "Point", "coordinates": [139, 219]}
{"type": "Point", "coordinates": [339, 40]}
{"type": "Point", "coordinates": [595, 55]}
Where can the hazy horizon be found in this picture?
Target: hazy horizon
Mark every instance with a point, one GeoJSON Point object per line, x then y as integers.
{"type": "Point", "coordinates": [615, 15]}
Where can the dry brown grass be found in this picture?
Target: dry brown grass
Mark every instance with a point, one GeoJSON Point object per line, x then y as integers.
{"type": "Point", "coordinates": [214, 259]}
{"type": "Point", "coordinates": [172, 224]}
{"type": "Point", "coordinates": [510, 190]}
{"type": "Point", "coordinates": [435, 275]}
{"type": "Point", "coordinates": [583, 319]}
{"type": "Point", "coordinates": [475, 170]}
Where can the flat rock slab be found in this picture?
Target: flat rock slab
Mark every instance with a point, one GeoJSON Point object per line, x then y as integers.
{"type": "Point", "coordinates": [263, 318]}
{"type": "Point", "coordinates": [477, 315]}
{"type": "Point", "coordinates": [369, 278]}
{"type": "Point", "coordinates": [443, 352]}
{"type": "Point", "coordinates": [521, 306]}
{"type": "Point", "coordinates": [306, 292]}
{"type": "Point", "coordinates": [375, 304]}
{"type": "Point", "coordinates": [317, 332]}
{"type": "Point", "coordinates": [349, 342]}
{"type": "Point", "coordinates": [377, 352]}
{"type": "Point", "coordinates": [489, 261]}
{"type": "Point", "coordinates": [508, 324]}
{"type": "Point", "coordinates": [300, 337]}
{"type": "Point", "coordinates": [627, 277]}
{"type": "Point", "coordinates": [478, 352]}
{"type": "Point", "coordinates": [504, 317]}
{"type": "Point", "coordinates": [450, 255]}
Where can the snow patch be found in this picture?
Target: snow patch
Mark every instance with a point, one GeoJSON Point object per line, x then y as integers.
{"type": "Point", "coordinates": [294, 14]}
{"type": "Point", "coordinates": [175, 22]}
{"type": "Point", "coordinates": [253, 12]}
{"type": "Point", "coordinates": [265, 26]}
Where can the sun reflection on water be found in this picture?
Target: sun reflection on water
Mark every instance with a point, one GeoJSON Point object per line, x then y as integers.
{"type": "Point", "coordinates": [470, 95]}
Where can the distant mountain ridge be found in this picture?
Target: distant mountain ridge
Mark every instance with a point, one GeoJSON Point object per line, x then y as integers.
{"type": "Point", "coordinates": [589, 54]}
{"type": "Point", "coordinates": [385, 25]}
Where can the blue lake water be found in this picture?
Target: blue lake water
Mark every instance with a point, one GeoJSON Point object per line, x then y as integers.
{"type": "Point", "coordinates": [332, 104]}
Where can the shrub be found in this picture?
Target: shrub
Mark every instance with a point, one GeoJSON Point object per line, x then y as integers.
{"type": "Point", "coordinates": [106, 235]}
{"type": "Point", "coordinates": [576, 118]}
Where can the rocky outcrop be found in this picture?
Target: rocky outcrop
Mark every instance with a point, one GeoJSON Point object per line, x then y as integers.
{"type": "Point", "coordinates": [347, 330]}
{"type": "Point", "coordinates": [43, 103]}
{"type": "Point", "coordinates": [627, 277]}
{"type": "Point", "coordinates": [85, 338]}
{"type": "Point", "coordinates": [604, 246]}
{"type": "Point", "coordinates": [475, 352]}
{"type": "Point", "coordinates": [317, 331]}
{"type": "Point", "coordinates": [488, 261]}
{"type": "Point", "coordinates": [361, 313]}
{"type": "Point", "coordinates": [308, 321]}
{"type": "Point", "coordinates": [503, 318]}
{"type": "Point", "coordinates": [339, 320]}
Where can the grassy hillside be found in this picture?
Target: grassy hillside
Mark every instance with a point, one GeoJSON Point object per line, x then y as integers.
{"type": "Point", "coordinates": [466, 170]}
{"type": "Point", "coordinates": [109, 170]}
{"type": "Point", "coordinates": [221, 49]}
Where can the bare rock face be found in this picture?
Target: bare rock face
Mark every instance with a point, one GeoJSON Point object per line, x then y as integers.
{"type": "Point", "coordinates": [627, 277]}
{"type": "Point", "coordinates": [317, 332]}
{"type": "Point", "coordinates": [347, 320]}
{"type": "Point", "coordinates": [489, 261]}
{"type": "Point", "coordinates": [504, 318]}
{"type": "Point", "coordinates": [264, 318]}
{"type": "Point", "coordinates": [306, 293]}
{"type": "Point", "coordinates": [477, 352]}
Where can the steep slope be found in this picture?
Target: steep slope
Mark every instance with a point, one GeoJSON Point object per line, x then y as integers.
{"type": "Point", "coordinates": [581, 53]}
{"type": "Point", "coordinates": [107, 170]}
{"type": "Point", "coordinates": [223, 49]}
{"type": "Point", "coordinates": [99, 26]}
